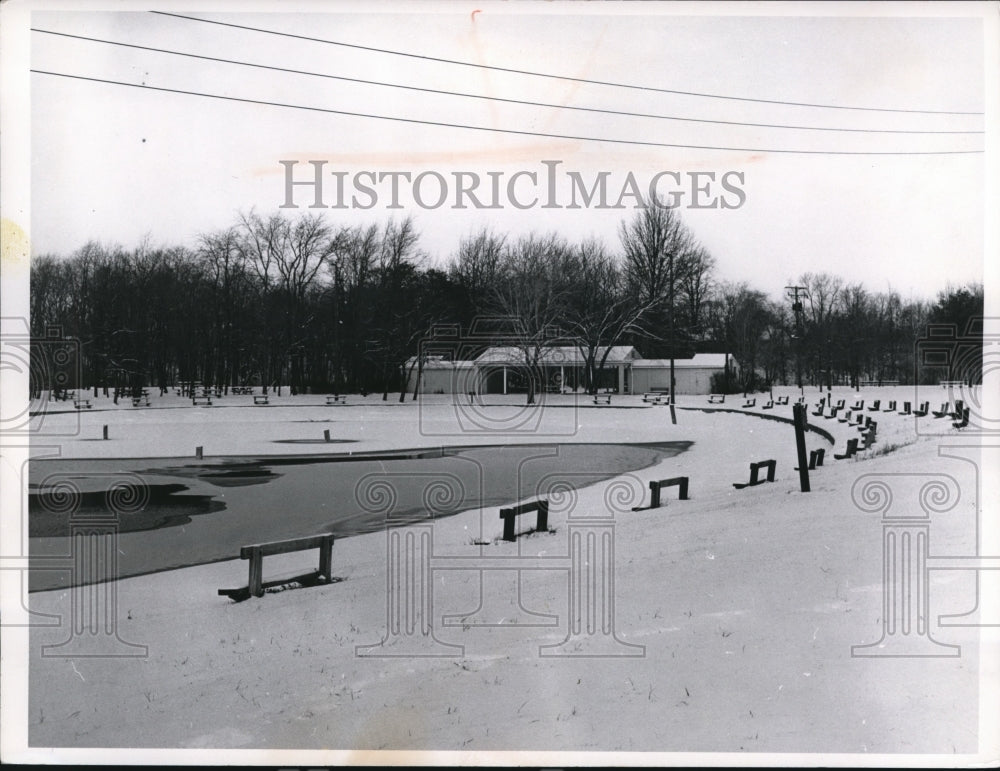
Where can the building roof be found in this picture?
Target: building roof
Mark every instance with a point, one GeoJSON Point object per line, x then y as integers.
{"type": "Point", "coordinates": [439, 362]}
{"type": "Point", "coordinates": [700, 360]}
{"type": "Point", "coordinates": [556, 355]}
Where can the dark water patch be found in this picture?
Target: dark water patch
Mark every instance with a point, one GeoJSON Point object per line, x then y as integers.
{"type": "Point", "coordinates": [220, 475]}
{"type": "Point", "coordinates": [297, 496]}
{"type": "Point", "coordinates": [162, 508]}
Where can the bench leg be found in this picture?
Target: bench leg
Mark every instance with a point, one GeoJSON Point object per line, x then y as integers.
{"type": "Point", "coordinates": [654, 493]}
{"type": "Point", "coordinates": [326, 557]}
{"type": "Point", "coordinates": [508, 528]}
{"type": "Point", "coordinates": [256, 582]}
{"type": "Point", "coordinates": [542, 524]}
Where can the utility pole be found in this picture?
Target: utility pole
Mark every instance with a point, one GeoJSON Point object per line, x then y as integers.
{"type": "Point", "coordinates": [793, 294]}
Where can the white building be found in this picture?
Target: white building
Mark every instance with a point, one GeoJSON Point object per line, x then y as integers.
{"type": "Point", "coordinates": [501, 370]}
{"type": "Point", "coordinates": [692, 376]}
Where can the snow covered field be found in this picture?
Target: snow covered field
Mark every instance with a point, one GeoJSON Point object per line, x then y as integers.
{"type": "Point", "coordinates": [738, 608]}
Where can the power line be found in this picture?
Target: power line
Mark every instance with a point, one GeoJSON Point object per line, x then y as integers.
{"type": "Point", "coordinates": [500, 130]}
{"type": "Point", "coordinates": [533, 73]}
{"type": "Point", "coordinates": [445, 92]}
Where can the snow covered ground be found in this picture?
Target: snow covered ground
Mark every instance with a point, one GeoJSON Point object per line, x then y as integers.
{"type": "Point", "coordinates": [737, 609]}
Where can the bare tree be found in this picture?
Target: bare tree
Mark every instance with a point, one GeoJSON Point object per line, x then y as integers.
{"type": "Point", "coordinates": [654, 243]}
{"type": "Point", "coordinates": [532, 292]}
{"type": "Point", "coordinates": [600, 310]}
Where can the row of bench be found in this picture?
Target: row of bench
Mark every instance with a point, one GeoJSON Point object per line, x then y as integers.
{"type": "Point", "coordinates": [255, 553]}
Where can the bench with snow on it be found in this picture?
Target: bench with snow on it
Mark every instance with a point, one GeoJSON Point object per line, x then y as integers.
{"type": "Point", "coordinates": [656, 486]}
{"type": "Point", "coordinates": [750, 403]}
{"type": "Point", "coordinates": [656, 397]}
{"type": "Point", "coordinates": [818, 412]}
{"type": "Point", "coordinates": [241, 390]}
{"type": "Point", "coordinates": [332, 399]}
{"type": "Point", "coordinates": [944, 412]}
{"type": "Point", "coordinates": [81, 404]}
{"type": "Point", "coordinates": [781, 400]}
{"type": "Point", "coordinates": [140, 401]}
{"type": "Point", "coordinates": [256, 553]}
{"type": "Point", "coordinates": [964, 421]}
{"type": "Point", "coordinates": [852, 450]}
{"type": "Point", "coordinates": [755, 479]}
{"type": "Point", "coordinates": [509, 515]}
{"type": "Point", "coordinates": [845, 418]}
{"type": "Point", "coordinates": [602, 398]}
{"type": "Point", "coordinates": [196, 400]}
{"type": "Point", "coordinates": [859, 405]}
{"type": "Point", "coordinates": [891, 407]}
{"type": "Point", "coordinates": [769, 405]}
{"type": "Point", "coordinates": [716, 398]}
{"type": "Point", "coordinates": [867, 424]}
{"type": "Point", "coordinates": [956, 414]}
{"type": "Point", "coordinates": [924, 409]}
{"type": "Point", "coordinates": [815, 458]}
{"type": "Point", "coordinates": [906, 409]}
{"type": "Point", "coordinates": [261, 399]}
{"type": "Point", "coordinates": [833, 412]}
{"type": "Point", "coordinates": [875, 405]}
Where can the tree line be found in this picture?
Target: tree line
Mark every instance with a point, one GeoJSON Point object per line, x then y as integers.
{"type": "Point", "coordinates": [299, 303]}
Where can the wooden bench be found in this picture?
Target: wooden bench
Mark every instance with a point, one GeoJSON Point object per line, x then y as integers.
{"type": "Point", "coordinates": [846, 417]}
{"type": "Point", "coordinates": [755, 474]}
{"type": "Point", "coordinates": [510, 513]}
{"type": "Point", "coordinates": [956, 414]}
{"type": "Point", "coordinates": [750, 403]}
{"type": "Point", "coordinates": [602, 398]}
{"type": "Point", "coordinates": [815, 458]}
{"type": "Point", "coordinates": [782, 400]}
{"type": "Point", "coordinates": [256, 553]}
{"type": "Point", "coordinates": [332, 399]}
{"type": "Point", "coordinates": [656, 397]}
{"type": "Point", "coordinates": [944, 412]}
{"type": "Point", "coordinates": [859, 405]}
{"type": "Point", "coordinates": [924, 409]}
{"type": "Point", "coordinates": [768, 406]}
{"type": "Point", "coordinates": [906, 409]}
{"type": "Point", "coordinates": [833, 412]}
{"type": "Point", "coordinates": [81, 403]}
{"type": "Point", "coordinates": [655, 488]}
{"type": "Point", "coordinates": [196, 400]}
{"type": "Point", "coordinates": [964, 420]}
{"type": "Point", "coordinates": [140, 401]}
{"type": "Point", "coordinates": [819, 410]}
{"type": "Point", "coordinates": [852, 450]}
{"type": "Point", "coordinates": [875, 405]}
{"type": "Point", "coordinates": [716, 398]}
{"type": "Point", "coordinates": [242, 390]}
{"type": "Point", "coordinates": [891, 407]}
{"type": "Point", "coordinates": [840, 404]}
{"type": "Point", "coordinates": [260, 399]}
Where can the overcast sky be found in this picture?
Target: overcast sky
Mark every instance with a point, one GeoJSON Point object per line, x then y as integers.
{"type": "Point", "coordinates": [113, 163]}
